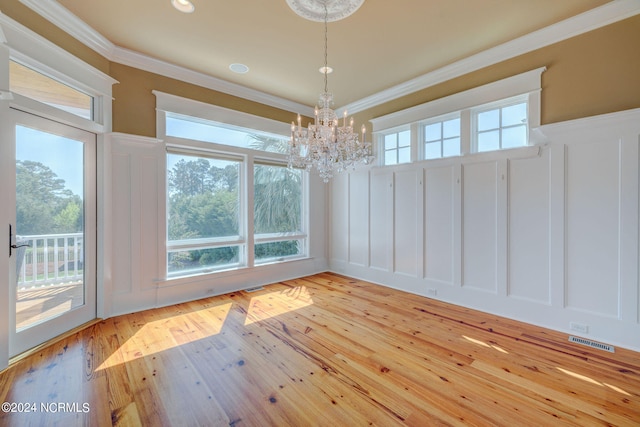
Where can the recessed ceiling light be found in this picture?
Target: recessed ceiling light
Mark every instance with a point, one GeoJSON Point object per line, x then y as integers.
{"type": "Point", "coordinates": [184, 6]}
{"type": "Point", "coordinates": [239, 68]}
{"type": "Point", "coordinates": [326, 70]}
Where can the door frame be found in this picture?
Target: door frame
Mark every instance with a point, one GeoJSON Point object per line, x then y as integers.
{"type": "Point", "coordinates": [20, 341]}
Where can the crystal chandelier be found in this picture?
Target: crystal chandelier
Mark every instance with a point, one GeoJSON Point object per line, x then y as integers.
{"type": "Point", "coordinates": [329, 144]}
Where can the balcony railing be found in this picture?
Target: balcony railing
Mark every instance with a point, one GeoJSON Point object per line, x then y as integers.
{"type": "Point", "coordinates": [50, 259]}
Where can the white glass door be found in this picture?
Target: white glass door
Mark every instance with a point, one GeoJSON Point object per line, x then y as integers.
{"type": "Point", "coordinates": [53, 234]}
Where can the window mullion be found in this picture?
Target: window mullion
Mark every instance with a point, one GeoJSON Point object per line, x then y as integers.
{"type": "Point", "coordinates": [467, 129]}
{"type": "Point", "coordinates": [249, 211]}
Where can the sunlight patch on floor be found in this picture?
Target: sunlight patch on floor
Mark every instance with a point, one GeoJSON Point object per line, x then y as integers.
{"type": "Point", "coordinates": [272, 304]}
{"type": "Point", "coordinates": [591, 380]}
{"type": "Point", "coordinates": [484, 344]}
{"type": "Point", "coordinates": [154, 337]}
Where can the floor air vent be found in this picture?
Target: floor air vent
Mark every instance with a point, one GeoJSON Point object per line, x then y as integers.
{"type": "Point", "coordinates": [593, 344]}
{"type": "Point", "coordinates": [257, 288]}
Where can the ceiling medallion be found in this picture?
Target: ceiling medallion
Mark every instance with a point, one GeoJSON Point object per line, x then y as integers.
{"type": "Point", "coordinates": [314, 10]}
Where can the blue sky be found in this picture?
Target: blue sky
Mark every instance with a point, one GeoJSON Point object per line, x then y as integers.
{"type": "Point", "coordinates": [62, 155]}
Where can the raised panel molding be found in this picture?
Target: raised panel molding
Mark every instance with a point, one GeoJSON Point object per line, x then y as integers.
{"type": "Point", "coordinates": [359, 218]}
{"type": "Point", "coordinates": [380, 216]}
{"type": "Point", "coordinates": [528, 225]}
{"type": "Point", "coordinates": [592, 227]}
{"type": "Point", "coordinates": [480, 226]}
{"type": "Point", "coordinates": [439, 224]}
{"type": "Point", "coordinates": [407, 216]}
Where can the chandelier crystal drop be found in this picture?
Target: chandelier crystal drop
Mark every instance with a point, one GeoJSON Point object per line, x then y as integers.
{"type": "Point", "coordinates": [328, 144]}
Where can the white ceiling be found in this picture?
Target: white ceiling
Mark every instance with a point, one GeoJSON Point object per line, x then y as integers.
{"type": "Point", "coordinates": [383, 44]}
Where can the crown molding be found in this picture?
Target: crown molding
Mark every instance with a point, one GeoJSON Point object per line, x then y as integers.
{"type": "Point", "coordinates": [601, 16]}
{"type": "Point", "coordinates": [58, 15]}
{"type": "Point", "coordinates": [146, 63]}
{"type": "Point", "coordinates": [609, 13]}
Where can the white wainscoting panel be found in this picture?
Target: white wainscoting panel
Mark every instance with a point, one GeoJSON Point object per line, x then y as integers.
{"type": "Point", "coordinates": [479, 226]}
{"type": "Point", "coordinates": [380, 216]}
{"type": "Point", "coordinates": [439, 226]}
{"type": "Point", "coordinates": [592, 226]}
{"type": "Point", "coordinates": [122, 273]}
{"type": "Point", "coordinates": [406, 218]}
{"type": "Point", "coordinates": [135, 176]}
{"type": "Point", "coordinates": [359, 219]}
{"type": "Point", "coordinates": [528, 258]}
{"type": "Point", "coordinates": [340, 217]}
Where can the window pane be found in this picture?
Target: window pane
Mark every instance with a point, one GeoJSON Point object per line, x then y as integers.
{"type": "Point", "coordinates": [32, 84]}
{"type": "Point", "coordinates": [208, 131]}
{"type": "Point", "coordinates": [390, 141]}
{"type": "Point", "coordinates": [404, 138]}
{"type": "Point", "coordinates": [404, 155]}
{"type": "Point", "coordinates": [489, 120]}
{"type": "Point", "coordinates": [488, 141]}
{"type": "Point", "coordinates": [277, 199]}
{"type": "Point", "coordinates": [276, 250]}
{"type": "Point", "coordinates": [391, 157]}
{"type": "Point", "coordinates": [202, 259]}
{"type": "Point", "coordinates": [432, 150]}
{"type": "Point", "coordinates": [514, 114]}
{"type": "Point", "coordinates": [203, 197]}
{"type": "Point", "coordinates": [451, 147]}
{"type": "Point", "coordinates": [451, 128]}
{"type": "Point", "coordinates": [514, 137]}
{"type": "Point", "coordinates": [432, 132]}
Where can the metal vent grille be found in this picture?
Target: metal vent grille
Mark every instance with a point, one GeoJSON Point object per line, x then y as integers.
{"type": "Point", "coordinates": [593, 344]}
{"type": "Point", "coordinates": [257, 288]}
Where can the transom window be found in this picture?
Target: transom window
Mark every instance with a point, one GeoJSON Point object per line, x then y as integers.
{"type": "Point", "coordinates": [491, 117]}
{"type": "Point", "coordinates": [221, 133]}
{"type": "Point", "coordinates": [501, 127]}
{"type": "Point", "coordinates": [397, 147]}
{"type": "Point", "coordinates": [442, 138]}
{"type": "Point", "coordinates": [32, 84]}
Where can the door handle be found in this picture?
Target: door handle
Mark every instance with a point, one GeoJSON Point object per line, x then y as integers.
{"type": "Point", "coordinates": [15, 246]}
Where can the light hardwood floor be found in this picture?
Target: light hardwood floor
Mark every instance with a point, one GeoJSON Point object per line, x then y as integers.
{"type": "Point", "coordinates": [323, 350]}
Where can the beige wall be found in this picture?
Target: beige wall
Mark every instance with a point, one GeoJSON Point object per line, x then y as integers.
{"type": "Point", "coordinates": [134, 104]}
{"type": "Point", "coordinates": [591, 74]}
{"type": "Point", "coordinates": [594, 73]}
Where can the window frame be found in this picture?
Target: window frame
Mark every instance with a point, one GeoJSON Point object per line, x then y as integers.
{"type": "Point", "coordinates": [498, 105]}
{"type": "Point", "coordinates": [422, 138]}
{"type": "Point", "coordinates": [204, 243]}
{"type": "Point", "coordinates": [167, 104]}
{"type": "Point", "coordinates": [527, 85]}
{"type": "Point", "coordinates": [383, 150]}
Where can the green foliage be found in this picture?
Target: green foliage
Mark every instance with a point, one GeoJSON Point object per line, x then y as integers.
{"type": "Point", "coordinates": [204, 203]}
{"type": "Point", "coordinates": [43, 204]}
{"type": "Point", "coordinates": [276, 249]}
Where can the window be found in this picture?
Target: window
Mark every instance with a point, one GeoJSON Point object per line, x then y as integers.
{"type": "Point", "coordinates": [232, 200]}
{"type": "Point", "coordinates": [397, 147]}
{"type": "Point", "coordinates": [225, 134]}
{"type": "Point", "coordinates": [501, 127]}
{"type": "Point", "coordinates": [495, 116]}
{"type": "Point", "coordinates": [203, 213]}
{"type": "Point", "coordinates": [277, 215]}
{"type": "Point", "coordinates": [442, 138]}
{"type": "Point", "coordinates": [32, 84]}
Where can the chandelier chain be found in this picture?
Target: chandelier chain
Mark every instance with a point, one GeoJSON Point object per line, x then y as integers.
{"type": "Point", "coordinates": [326, 44]}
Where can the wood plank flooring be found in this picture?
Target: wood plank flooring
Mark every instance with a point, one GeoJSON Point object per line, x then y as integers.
{"type": "Point", "coordinates": [323, 350]}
